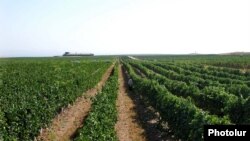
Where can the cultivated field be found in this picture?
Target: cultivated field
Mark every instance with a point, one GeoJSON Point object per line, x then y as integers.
{"type": "Point", "coordinates": [87, 98]}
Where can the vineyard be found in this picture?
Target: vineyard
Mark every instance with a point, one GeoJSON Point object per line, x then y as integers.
{"type": "Point", "coordinates": [185, 92]}
{"type": "Point", "coordinates": [189, 95]}
{"type": "Point", "coordinates": [34, 91]}
{"type": "Point", "coordinates": [100, 123]}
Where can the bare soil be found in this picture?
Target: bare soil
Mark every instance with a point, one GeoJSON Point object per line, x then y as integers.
{"type": "Point", "coordinates": [137, 120]}
{"type": "Point", "coordinates": [66, 123]}
{"type": "Point", "coordinates": [150, 120]}
{"type": "Point", "coordinates": [127, 127]}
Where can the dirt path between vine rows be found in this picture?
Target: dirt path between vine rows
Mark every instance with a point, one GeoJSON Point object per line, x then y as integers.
{"type": "Point", "coordinates": [127, 127]}
{"type": "Point", "coordinates": [137, 121]}
{"type": "Point", "coordinates": [66, 123]}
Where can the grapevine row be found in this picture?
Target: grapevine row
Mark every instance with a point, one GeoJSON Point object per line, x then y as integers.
{"type": "Point", "coordinates": [100, 122]}
{"type": "Point", "coordinates": [237, 89]}
{"type": "Point", "coordinates": [33, 92]}
{"type": "Point", "coordinates": [212, 99]}
{"type": "Point", "coordinates": [183, 117]}
{"type": "Point", "coordinates": [218, 74]}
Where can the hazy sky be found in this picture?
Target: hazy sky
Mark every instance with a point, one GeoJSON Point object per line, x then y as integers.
{"type": "Point", "coordinates": [51, 27]}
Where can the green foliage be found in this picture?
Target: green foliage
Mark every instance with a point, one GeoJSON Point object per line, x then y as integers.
{"type": "Point", "coordinates": [187, 91]}
{"type": "Point", "coordinates": [212, 99]}
{"type": "Point", "coordinates": [99, 125]}
{"type": "Point", "coordinates": [216, 100]}
{"type": "Point", "coordinates": [2, 125]}
{"type": "Point", "coordinates": [182, 116]}
{"type": "Point", "coordinates": [226, 61]}
{"type": "Point", "coordinates": [247, 111]}
{"type": "Point", "coordinates": [186, 73]}
{"type": "Point", "coordinates": [33, 91]}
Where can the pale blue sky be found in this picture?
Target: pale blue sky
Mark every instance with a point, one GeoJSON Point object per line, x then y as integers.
{"type": "Point", "coordinates": [51, 27]}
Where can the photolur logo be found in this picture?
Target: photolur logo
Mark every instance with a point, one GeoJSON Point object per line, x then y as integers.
{"type": "Point", "coordinates": [227, 132]}
{"type": "Point", "coordinates": [214, 132]}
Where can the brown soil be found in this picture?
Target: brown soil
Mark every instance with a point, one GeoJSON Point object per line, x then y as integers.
{"type": "Point", "coordinates": [66, 123]}
{"type": "Point", "coordinates": [127, 127]}
{"type": "Point", "coordinates": [149, 118]}
{"type": "Point", "coordinates": [150, 127]}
